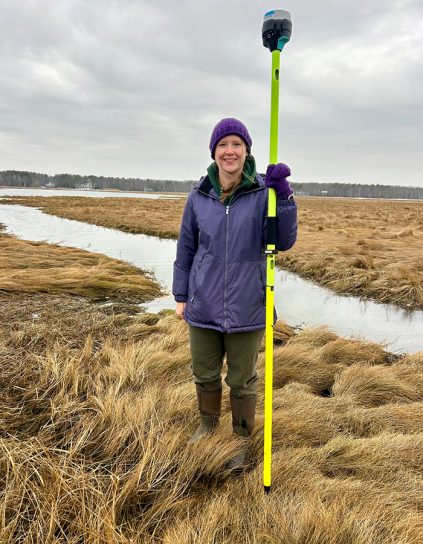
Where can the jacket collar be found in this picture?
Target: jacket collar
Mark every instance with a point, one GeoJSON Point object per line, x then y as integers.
{"type": "Point", "coordinates": [206, 187]}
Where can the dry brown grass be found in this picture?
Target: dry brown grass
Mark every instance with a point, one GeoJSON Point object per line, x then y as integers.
{"type": "Point", "coordinates": [96, 405]}
{"type": "Point", "coordinates": [39, 267]}
{"type": "Point", "coordinates": [367, 248]}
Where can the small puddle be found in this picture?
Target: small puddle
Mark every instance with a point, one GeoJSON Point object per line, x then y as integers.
{"type": "Point", "coordinates": [298, 302]}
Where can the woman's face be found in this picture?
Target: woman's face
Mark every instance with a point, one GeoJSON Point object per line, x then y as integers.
{"type": "Point", "coordinates": [230, 155]}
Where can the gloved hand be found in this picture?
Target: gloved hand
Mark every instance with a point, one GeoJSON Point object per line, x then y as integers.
{"type": "Point", "coordinates": [276, 175]}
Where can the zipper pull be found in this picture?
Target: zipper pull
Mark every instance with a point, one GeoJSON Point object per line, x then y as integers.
{"type": "Point", "coordinates": [227, 210]}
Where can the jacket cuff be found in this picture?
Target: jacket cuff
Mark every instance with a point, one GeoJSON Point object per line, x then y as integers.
{"type": "Point", "coordinates": [180, 298]}
{"type": "Point", "coordinates": [286, 202]}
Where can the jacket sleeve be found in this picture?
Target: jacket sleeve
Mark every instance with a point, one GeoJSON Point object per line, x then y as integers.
{"type": "Point", "coordinates": [286, 224]}
{"type": "Point", "coordinates": [185, 251]}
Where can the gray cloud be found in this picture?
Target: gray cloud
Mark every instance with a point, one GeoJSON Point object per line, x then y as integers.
{"type": "Point", "coordinates": [133, 88]}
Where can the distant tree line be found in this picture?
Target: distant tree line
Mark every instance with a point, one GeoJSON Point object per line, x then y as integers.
{"type": "Point", "coordinates": [14, 178]}
{"type": "Point", "coordinates": [357, 190]}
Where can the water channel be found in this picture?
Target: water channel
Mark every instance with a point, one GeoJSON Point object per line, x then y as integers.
{"type": "Point", "coordinates": [298, 302]}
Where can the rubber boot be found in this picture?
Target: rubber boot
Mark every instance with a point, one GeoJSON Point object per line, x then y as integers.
{"type": "Point", "coordinates": [243, 417]}
{"type": "Point", "coordinates": [209, 406]}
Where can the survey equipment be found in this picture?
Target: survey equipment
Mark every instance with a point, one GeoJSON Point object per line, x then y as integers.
{"type": "Point", "coordinates": [276, 32]}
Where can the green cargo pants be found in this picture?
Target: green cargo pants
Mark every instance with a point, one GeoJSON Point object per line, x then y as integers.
{"type": "Point", "coordinates": [208, 348]}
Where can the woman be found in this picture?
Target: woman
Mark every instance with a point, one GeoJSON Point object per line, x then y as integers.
{"type": "Point", "coordinates": [219, 281]}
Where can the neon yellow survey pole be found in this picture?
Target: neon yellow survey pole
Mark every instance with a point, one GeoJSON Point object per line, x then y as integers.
{"type": "Point", "coordinates": [270, 280]}
{"type": "Point", "coordinates": [276, 32]}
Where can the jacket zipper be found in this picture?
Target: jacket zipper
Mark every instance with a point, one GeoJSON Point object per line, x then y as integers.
{"type": "Point", "coordinates": [226, 256]}
{"type": "Point", "coordinates": [226, 270]}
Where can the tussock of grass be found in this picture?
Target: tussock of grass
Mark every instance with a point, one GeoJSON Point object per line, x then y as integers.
{"type": "Point", "coordinates": [317, 355]}
{"type": "Point", "coordinates": [95, 414]}
{"type": "Point", "coordinates": [373, 386]}
{"type": "Point", "coordinates": [39, 267]}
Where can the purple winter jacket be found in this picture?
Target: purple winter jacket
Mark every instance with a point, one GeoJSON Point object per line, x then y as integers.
{"type": "Point", "coordinates": [219, 270]}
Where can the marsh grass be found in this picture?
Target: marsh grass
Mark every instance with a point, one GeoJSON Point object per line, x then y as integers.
{"type": "Point", "coordinates": [96, 405]}
{"type": "Point", "coordinates": [367, 248]}
{"type": "Point", "coordinates": [39, 267]}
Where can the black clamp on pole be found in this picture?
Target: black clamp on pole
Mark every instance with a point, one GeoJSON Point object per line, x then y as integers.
{"type": "Point", "coordinates": [271, 236]}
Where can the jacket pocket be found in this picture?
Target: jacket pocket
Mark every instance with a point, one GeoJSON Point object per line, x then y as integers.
{"type": "Point", "coordinates": [262, 280]}
{"type": "Point", "coordinates": [196, 272]}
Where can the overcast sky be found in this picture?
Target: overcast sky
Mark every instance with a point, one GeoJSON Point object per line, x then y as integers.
{"type": "Point", "coordinates": [133, 88]}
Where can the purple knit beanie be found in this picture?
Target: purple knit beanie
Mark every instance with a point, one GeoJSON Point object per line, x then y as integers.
{"type": "Point", "coordinates": [228, 126]}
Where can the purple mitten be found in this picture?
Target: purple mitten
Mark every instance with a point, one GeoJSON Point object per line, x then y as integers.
{"type": "Point", "coordinates": [276, 175]}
